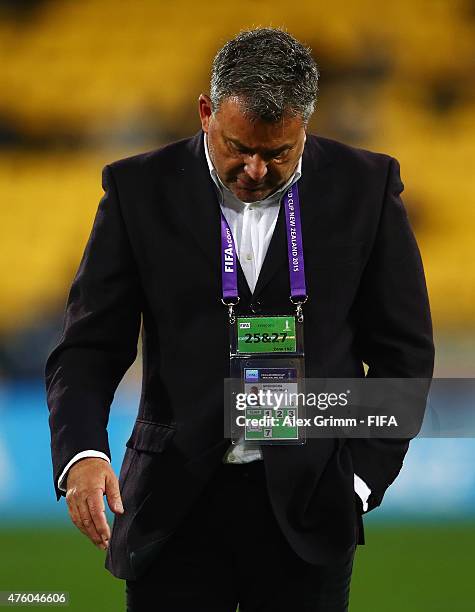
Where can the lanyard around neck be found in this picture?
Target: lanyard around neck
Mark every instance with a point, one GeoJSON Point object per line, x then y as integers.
{"type": "Point", "coordinates": [229, 261]}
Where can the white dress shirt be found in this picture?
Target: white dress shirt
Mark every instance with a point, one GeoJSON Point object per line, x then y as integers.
{"type": "Point", "coordinates": [252, 226]}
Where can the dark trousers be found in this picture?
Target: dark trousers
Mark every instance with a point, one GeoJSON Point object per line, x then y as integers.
{"type": "Point", "coordinates": [231, 550]}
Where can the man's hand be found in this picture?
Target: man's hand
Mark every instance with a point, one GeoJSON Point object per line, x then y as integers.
{"type": "Point", "coordinates": [87, 482]}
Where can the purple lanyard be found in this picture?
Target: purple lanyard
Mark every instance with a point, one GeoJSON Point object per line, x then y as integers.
{"type": "Point", "coordinates": [298, 290]}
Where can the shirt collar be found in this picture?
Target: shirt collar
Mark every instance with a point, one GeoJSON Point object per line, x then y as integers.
{"type": "Point", "coordinates": [225, 193]}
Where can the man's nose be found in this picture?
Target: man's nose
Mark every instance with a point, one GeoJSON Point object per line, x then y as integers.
{"type": "Point", "coordinates": [255, 168]}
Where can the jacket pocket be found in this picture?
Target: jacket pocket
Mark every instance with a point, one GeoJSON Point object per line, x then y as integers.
{"type": "Point", "coordinates": [150, 437]}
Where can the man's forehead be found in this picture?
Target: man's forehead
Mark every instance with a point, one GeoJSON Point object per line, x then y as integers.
{"type": "Point", "coordinates": [251, 132]}
{"type": "Point", "coordinates": [262, 143]}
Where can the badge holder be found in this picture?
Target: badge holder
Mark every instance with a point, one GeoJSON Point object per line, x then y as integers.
{"type": "Point", "coordinates": [267, 370]}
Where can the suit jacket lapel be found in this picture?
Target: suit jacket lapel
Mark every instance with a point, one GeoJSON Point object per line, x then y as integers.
{"type": "Point", "coordinates": [199, 208]}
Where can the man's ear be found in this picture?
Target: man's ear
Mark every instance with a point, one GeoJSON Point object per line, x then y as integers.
{"type": "Point", "coordinates": [205, 110]}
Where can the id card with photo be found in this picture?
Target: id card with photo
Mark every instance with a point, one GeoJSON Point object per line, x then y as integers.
{"type": "Point", "coordinates": [267, 368]}
{"type": "Point", "coordinates": [274, 390]}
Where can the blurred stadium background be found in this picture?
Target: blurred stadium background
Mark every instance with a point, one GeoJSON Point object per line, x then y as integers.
{"type": "Point", "coordinates": [84, 83]}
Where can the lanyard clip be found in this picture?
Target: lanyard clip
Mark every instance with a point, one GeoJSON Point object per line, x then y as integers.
{"type": "Point", "coordinates": [230, 306]}
{"type": "Point", "coordinates": [298, 302]}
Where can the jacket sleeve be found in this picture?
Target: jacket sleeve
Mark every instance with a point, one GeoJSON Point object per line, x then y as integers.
{"type": "Point", "coordinates": [99, 339]}
{"type": "Point", "coordinates": [394, 329]}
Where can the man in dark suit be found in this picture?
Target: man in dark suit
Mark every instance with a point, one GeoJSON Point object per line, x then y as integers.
{"type": "Point", "coordinates": [201, 524]}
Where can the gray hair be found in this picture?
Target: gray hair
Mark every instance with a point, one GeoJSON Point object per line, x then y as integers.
{"type": "Point", "coordinates": [270, 71]}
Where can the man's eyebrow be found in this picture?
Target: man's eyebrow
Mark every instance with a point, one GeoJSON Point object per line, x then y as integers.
{"type": "Point", "coordinates": [237, 143]}
{"type": "Point", "coordinates": [269, 151]}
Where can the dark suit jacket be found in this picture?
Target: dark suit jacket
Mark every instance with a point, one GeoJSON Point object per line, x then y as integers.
{"type": "Point", "coordinates": [154, 252]}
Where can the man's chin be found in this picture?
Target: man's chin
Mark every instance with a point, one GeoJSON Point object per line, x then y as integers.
{"type": "Point", "coordinates": [250, 195]}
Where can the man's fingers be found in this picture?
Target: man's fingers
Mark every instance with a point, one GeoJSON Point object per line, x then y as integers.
{"type": "Point", "coordinates": [88, 524]}
{"type": "Point", "coordinates": [113, 494]}
{"type": "Point", "coordinates": [87, 482]}
{"type": "Point", "coordinates": [75, 516]}
{"type": "Point", "coordinates": [95, 503]}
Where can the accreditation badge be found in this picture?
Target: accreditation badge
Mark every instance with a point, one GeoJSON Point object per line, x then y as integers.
{"type": "Point", "coordinates": [267, 365]}
{"type": "Point", "coordinates": [266, 335]}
